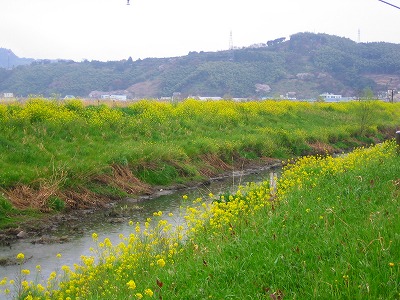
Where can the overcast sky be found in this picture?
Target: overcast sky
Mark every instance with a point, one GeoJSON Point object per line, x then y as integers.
{"type": "Point", "coordinates": [111, 30]}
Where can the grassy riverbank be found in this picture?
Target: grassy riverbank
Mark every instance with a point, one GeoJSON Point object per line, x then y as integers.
{"type": "Point", "coordinates": [68, 155]}
{"type": "Point", "coordinates": [329, 231]}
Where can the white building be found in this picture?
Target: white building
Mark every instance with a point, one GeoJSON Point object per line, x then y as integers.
{"type": "Point", "coordinates": [118, 97]}
{"type": "Point", "coordinates": [8, 95]}
{"type": "Point", "coordinates": [210, 98]}
{"type": "Point", "coordinates": [115, 97]}
{"type": "Point", "coordinates": [330, 97]}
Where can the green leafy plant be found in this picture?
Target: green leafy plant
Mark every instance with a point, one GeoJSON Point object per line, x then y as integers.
{"type": "Point", "coordinates": [56, 203]}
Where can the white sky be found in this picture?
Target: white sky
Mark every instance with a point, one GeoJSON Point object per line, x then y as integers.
{"type": "Point", "coordinates": [111, 30]}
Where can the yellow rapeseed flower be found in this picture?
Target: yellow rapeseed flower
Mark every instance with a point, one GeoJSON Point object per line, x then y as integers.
{"type": "Point", "coordinates": [40, 287]}
{"type": "Point", "coordinates": [4, 281]}
{"type": "Point", "coordinates": [107, 242]}
{"type": "Point", "coordinates": [20, 256]}
{"type": "Point", "coordinates": [148, 292]}
{"type": "Point", "coordinates": [25, 284]}
{"type": "Point", "coordinates": [65, 268]}
{"type": "Point", "coordinates": [161, 262]}
{"type": "Point", "coordinates": [131, 284]}
{"type": "Point", "coordinates": [25, 272]}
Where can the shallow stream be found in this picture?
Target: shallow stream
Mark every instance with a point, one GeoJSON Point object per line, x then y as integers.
{"type": "Point", "coordinates": [74, 236]}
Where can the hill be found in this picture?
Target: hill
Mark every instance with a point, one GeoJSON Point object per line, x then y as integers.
{"type": "Point", "coordinates": [9, 60]}
{"type": "Point", "coordinates": [303, 66]}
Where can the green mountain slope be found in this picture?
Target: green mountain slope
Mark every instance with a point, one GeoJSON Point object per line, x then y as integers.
{"type": "Point", "coordinates": [303, 66]}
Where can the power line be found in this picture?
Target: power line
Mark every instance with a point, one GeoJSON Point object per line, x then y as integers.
{"type": "Point", "coordinates": [389, 4]}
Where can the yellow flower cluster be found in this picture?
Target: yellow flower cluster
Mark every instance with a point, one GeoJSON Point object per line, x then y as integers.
{"type": "Point", "coordinates": [302, 172]}
{"type": "Point", "coordinates": [222, 214]}
{"type": "Point", "coordinates": [153, 245]}
{"type": "Point", "coordinates": [37, 110]}
{"type": "Point", "coordinates": [50, 111]}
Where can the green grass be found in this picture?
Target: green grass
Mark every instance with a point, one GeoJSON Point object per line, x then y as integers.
{"type": "Point", "coordinates": [333, 233]}
{"type": "Point", "coordinates": [333, 236]}
{"type": "Point", "coordinates": [6, 209]}
{"type": "Point", "coordinates": [68, 144]}
{"type": "Point", "coordinates": [41, 136]}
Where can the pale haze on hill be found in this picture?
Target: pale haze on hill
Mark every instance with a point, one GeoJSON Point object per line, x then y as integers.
{"type": "Point", "coordinates": [112, 30]}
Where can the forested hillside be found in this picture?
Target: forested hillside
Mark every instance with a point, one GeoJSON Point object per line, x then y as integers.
{"type": "Point", "coordinates": [303, 66]}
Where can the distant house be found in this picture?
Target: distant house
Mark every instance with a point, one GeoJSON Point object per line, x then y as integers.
{"type": "Point", "coordinates": [209, 98]}
{"type": "Point", "coordinates": [69, 97]}
{"type": "Point", "coordinates": [165, 98]}
{"type": "Point", "coordinates": [118, 97]}
{"type": "Point", "coordinates": [114, 97]}
{"type": "Point", "coordinates": [8, 95]}
{"type": "Point", "coordinates": [327, 97]}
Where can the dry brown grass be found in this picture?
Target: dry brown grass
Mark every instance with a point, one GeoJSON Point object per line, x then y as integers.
{"type": "Point", "coordinates": [321, 148]}
{"type": "Point", "coordinates": [27, 197]}
{"type": "Point", "coordinates": [123, 178]}
{"type": "Point", "coordinates": [213, 165]}
{"type": "Point", "coordinates": [82, 198]}
{"type": "Point", "coordinates": [23, 196]}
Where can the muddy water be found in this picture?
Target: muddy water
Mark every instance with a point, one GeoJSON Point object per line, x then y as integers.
{"type": "Point", "coordinates": [74, 236]}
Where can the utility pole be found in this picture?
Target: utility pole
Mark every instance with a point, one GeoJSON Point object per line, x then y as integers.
{"type": "Point", "coordinates": [391, 95]}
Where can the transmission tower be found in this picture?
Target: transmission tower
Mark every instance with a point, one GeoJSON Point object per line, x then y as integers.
{"type": "Point", "coordinates": [359, 36]}
{"type": "Point", "coordinates": [230, 41]}
{"type": "Point", "coordinates": [231, 53]}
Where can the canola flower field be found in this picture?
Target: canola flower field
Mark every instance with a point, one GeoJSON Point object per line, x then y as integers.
{"type": "Point", "coordinates": [58, 155]}
{"type": "Point", "coordinates": [330, 230]}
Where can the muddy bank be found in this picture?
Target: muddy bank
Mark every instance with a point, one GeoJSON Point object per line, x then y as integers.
{"type": "Point", "coordinates": [55, 227]}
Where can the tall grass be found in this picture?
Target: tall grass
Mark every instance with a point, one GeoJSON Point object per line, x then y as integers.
{"type": "Point", "coordinates": [329, 231]}
{"type": "Point", "coordinates": [64, 145]}
{"type": "Point", "coordinates": [41, 136]}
